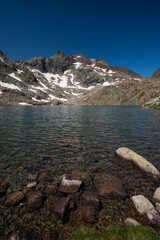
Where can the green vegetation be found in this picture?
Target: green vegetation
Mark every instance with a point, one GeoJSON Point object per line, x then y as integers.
{"type": "Point", "coordinates": [117, 232]}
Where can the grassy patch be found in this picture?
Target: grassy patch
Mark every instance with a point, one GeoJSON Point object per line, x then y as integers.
{"type": "Point", "coordinates": [117, 232]}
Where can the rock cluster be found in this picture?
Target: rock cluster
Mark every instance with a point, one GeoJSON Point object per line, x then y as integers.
{"type": "Point", "coordinates": [80, 196]}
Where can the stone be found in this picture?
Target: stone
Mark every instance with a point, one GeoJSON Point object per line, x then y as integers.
{"type": "Point", "coordinates": [138, 161]}
{"type": "Point", "coordinates": [89, 199]}
{"type": "Point", "coordinates": [156, 196]}
{"type": "Point", "coordinates": [61, 207]}
{"type": "Point", "coordinates": [34, 201]}
{"type": "Point", "coordinates": [33, 177]}
{"type": "Point", "coordinates": [43, 177]}
{"type": "Point", "coordinates": [158, 207]}
{"type": "Point", "coordinates": [31, 185]}
{"type": "Point", "coordinates": [14, 199]}
{"type": "Point", "coordinates": [69, 186]}
{"type": "Point", "coordinates": [131, 222]}
{"type": "Point", "coordinates": [145, 208]}
{"type": "Point", "coordinates": [107, 184]}
{"type": "Point", "coordinates": [88, 214]}
{"type": "Point", "coordinates": [50, 190]}
{"type": "Point", "coordinates": [3, 188]}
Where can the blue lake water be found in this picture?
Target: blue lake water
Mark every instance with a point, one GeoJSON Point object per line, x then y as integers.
{"type": "Point", "coordinates": [66, 137]}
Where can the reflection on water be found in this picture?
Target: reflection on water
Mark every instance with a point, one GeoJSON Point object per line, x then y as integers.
{"type": "Point", "coordinates": [67, 137]}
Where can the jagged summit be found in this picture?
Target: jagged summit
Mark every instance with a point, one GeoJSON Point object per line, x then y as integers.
{"type": "Point", "coordinates": [156, 74]}
{"type": "Point", "coordinates": [73, 79]}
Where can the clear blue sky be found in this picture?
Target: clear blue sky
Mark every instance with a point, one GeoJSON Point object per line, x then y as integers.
{"type": "Point", "coordinates": [124, 33]}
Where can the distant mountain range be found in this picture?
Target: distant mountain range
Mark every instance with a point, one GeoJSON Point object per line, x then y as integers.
{"type": "Point", "coordinates": [74, 80]}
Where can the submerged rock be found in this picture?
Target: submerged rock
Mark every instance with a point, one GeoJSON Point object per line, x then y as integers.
{"type": "Point", "coordinates": [34, 201]}
{"type": "Point", "coordinates": [138, 161]}
{"type": "Point", "coordinates": [14, 199]}
{"type": "Point", "coordinates": [106, 185]}
{"type": "Point", "coordinates": [3, 188]}
{"type": "Point", "coordinates": [69, 186]}
{"type": "Point", "coordinates": [145, 208]}
{"type": "Point", "coordinates": [131, 222]}
{"type": "Point", "coordinates": [89, 199]}
{"type": "Point", "coordinates": [156, 196]}
{"type": "Point", "coordinates": [62, 208]}
{"type": "Point", "coordinates": [31, 185]}
{"type": "Point", "coordinates": [88, 214]}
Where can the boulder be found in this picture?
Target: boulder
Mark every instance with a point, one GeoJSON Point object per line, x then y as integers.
{"type": "Point", "coordinates": [3, 188]}
{"type": "Point", "coordinates": [89, 199]}
{"type": "Point", "coordinates": [88, 214]}
{"type": "Point", "coordinates": [69, 186]}
{"type": "Point", "coordinates": [106, 185]}
{"type": "Point", "coordinates": [138, 161]}
{"type": "Point", "coordinates": [131, 222]}
{"type": "Point", "coordinates": [156, 196]}
{"type": "Point", "coordinates": [43, 177]}
{"type": "Point", "coordinates": [145, 208]}
{"type": "Point", "coordinates": [62, 207]}
{"type": "Point", "coordinates": [50, 190]}
{"type": "Point", "coordinates": [34, 201]}
{"type": "Point", "coordinates": [14, 199]}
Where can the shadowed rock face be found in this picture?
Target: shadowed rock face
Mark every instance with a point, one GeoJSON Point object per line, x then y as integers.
{"type": "Point", "coordinates": [56, 64]}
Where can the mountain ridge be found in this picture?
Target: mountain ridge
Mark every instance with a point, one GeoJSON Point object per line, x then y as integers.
{"type": "Point", "coordinates": [74, 79]}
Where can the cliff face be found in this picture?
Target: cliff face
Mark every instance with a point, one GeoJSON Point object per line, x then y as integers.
{"type": "Point", "coordinates": [74, 79]}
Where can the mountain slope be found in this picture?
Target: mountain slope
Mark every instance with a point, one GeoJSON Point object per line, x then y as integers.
{"type": "Point", "coordinates": [73, 79]}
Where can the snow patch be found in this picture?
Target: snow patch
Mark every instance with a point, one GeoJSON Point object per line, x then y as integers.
{"type": "Point", "coordinates": [77, 64]}
{"type": "Point", "coordinates": [57, 98]}
{"type": "Point", "coordinates": [108, 84]}
{"type": "Point", "coordinates": [19, 71]}
{"type": "Point", "coordinates": [24, 104]}
{"type": "Point", "coordinates": [110, 71]}
{"type": "Point", "coordinates": [11, 86]}
{"type": "Point", "coordinates": [15, 77]}
{"type": "Point", "coordinates": [1, 59]}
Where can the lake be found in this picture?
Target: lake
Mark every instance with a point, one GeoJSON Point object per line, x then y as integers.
{"type": "Point", "coordinates": [62, 139]}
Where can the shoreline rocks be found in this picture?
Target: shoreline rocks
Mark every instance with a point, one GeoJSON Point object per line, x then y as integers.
{"type": "Point", "coordinates": [138, 161]}
{"type": "Point", "coordinates": [145, 208]}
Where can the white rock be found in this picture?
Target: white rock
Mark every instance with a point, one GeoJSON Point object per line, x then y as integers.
{"type": "Point", "coordinates": [31, 185]}
{"type": "Point", "coordinates": [140, 162]}
{"type": "Point", "coordinates": [67, 182]}
{"type": "Point", "coordinates": [156, 196]}
{"type": "Point", "coordinates": [145, 207]}
{"type": "Point", "coordinates": [131, 222]}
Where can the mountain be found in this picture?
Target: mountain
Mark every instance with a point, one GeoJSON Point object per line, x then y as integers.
{"type": "Point", "coordinates": [73, 79]}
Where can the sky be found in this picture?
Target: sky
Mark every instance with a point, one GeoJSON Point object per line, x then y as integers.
{"type": "Point", "coordinates": [124, 33]}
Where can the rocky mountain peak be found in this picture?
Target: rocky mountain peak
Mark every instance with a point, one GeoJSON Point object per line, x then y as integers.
{"type": "Point", "coordinates": [156, 74]}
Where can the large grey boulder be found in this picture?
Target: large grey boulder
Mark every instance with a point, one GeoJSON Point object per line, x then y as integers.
{"type": "Point", "coordinates": [156, 196]}
{"type": "Point", "coordinates": [138, 161]}
{"type": "Point", "coordinates": [145, 208]}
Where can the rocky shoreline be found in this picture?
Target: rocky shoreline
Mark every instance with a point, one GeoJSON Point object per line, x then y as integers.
{"type": "Point", "coordinates": [52, 207]}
